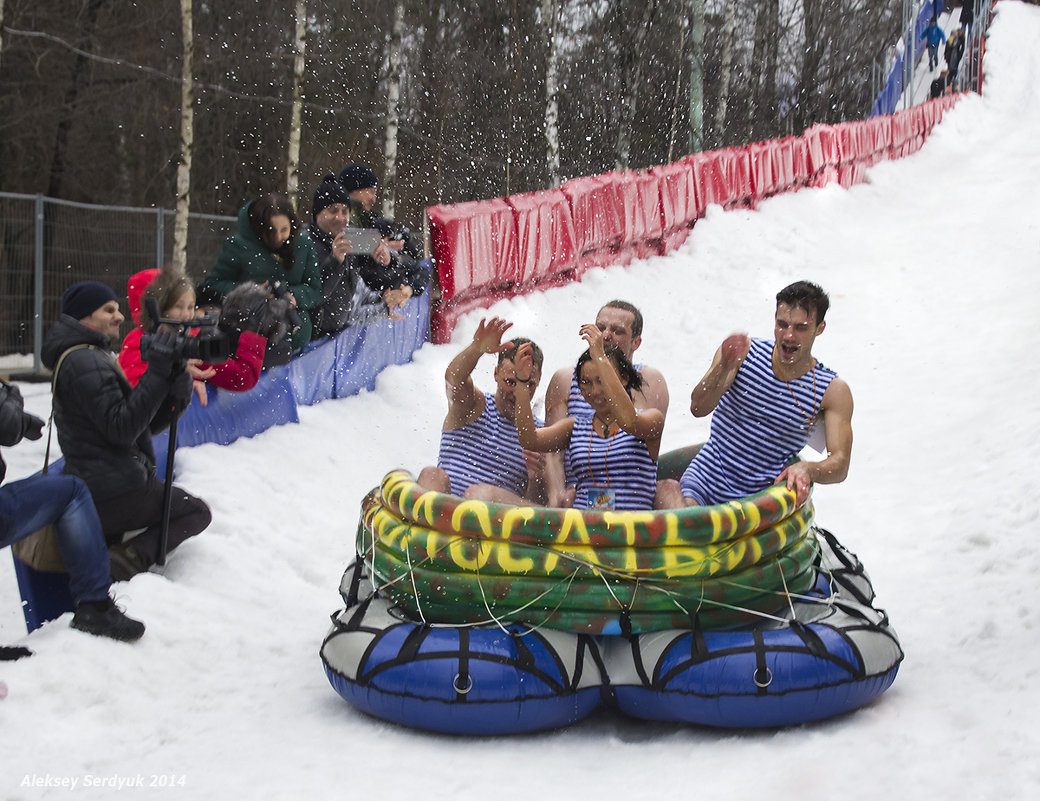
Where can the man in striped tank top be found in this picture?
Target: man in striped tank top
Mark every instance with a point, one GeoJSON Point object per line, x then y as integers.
{"type": "Point", "coordinates": [767, 397]}
{"type": "Point", "coordinates": [621, 323]}
{"type": "Point", "coordinates": [480, 449]}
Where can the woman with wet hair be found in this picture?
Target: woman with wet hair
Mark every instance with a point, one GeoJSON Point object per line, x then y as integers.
{"type": "Point", "coordinates": [612, 453]}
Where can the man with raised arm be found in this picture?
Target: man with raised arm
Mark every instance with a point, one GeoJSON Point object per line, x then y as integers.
{"type": "Point", "coordinates": [767, 396]}
{"type": "Point", "coordinates": [480, 448]}
{"type": "Point", "coordinates": [622, 324]}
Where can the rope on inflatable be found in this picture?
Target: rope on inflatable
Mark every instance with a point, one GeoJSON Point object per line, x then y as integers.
{"type": "Point", "coordinates": [444, 559]}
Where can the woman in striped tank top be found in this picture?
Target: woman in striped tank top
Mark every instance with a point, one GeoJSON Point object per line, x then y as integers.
{"type": "Point", "coordinates": [612, 452]}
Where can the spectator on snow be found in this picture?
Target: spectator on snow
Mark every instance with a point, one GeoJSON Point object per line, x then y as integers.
{"type": "Point", "coordinates": [105, 426]}
{"type": "Point", "coordinates": [174, 296]}
{"type": "Point", "coordinates": [32, 503]}
{"type": "Point", "coordinates": [953, 53]}
{"type": "Point", "coordinates": [967, 16]}
{"type": "Point", "coordinates": [933, 34]}
{"type": "Point", "coordinates": [480, 452]}
{"type": "Point", "coordinates": [401, 266]}
{"type": "Point", "coordinates": [938, 86]}
{"type": "Point", "coordinates": [270, 249]}
{"type": "Point", "coordinates": [345, 298]}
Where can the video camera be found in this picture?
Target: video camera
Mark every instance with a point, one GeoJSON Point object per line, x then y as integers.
{"type": "Point", "coordinates": [281, 291]}
{"type": "Point", "coordinates": [210, 345]}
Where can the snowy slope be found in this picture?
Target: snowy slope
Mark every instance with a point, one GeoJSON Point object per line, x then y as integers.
{"type": "Point", "coordinates": [932, 270]}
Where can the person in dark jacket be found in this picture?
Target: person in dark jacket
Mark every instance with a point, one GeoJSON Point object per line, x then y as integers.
{"type": "Point", "coordinates": [953, 54]}
{"type": "Point", "coordinates": [967, 16]}
{"type": "Point", "coordinates": [345, 297]}
{"type": "Point", "coordinates": [105, 426]}
{"type": "Point", "coordinates": [402, 266]}
{"type": "Point", "coordinates": [32, 503]}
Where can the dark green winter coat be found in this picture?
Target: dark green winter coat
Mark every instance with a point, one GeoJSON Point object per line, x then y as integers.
{"type": "Point", "coordinates": [245, 258]}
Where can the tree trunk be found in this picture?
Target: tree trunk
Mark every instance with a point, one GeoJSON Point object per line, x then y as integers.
{"type": "Point", "coordinates": [79, 74]}
{"type": "Point", "coordinates": [673, 128]}
{"type": "Point", "coordinates": [632, 56]}
{"type": "Point", "coordinates": [393, 112]}
{"type": "Point", "coordinates": [728, 25]}
{"type": "Point", "coordinates": [180, 228]}
{"type": "Point", "coordinates": [696, 138]}
{"type": "Point", "coordinates": [292, 180]}
{"type": "Point", "coordinates": [550, 16]}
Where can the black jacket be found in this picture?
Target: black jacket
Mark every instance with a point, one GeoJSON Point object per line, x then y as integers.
{"type": "Point", "coordinates": [345, 298]}
{"type": "Point", "coordinates": [104, 425]}
{"type": "Point", "coordinates": [12, 419]}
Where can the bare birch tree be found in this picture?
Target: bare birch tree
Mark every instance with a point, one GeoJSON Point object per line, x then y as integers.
{"type": "Point", "coordinates": [550, 18]}
{"type": "Point", "coordinates": [696, 137]}
{"type": "Point", "coordinates": [725, 68]}
{"type": "Point", "coordinates": [631, 56]}
{"type": "Point", "coordinates": [292, 178]}
{"type": "Point", "coordinates": [393, 111]}
{"type": "Point", "coordinates": [180, 226]}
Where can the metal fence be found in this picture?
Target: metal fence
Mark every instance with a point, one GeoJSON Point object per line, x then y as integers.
{"type": "Point", "coordinates": [48, 244]}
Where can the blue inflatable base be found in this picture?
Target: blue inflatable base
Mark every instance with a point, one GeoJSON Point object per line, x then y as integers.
{"type": "Point", "coordinates": [752, 711]}
{"type": "Point", "coordinates": [480, 718]}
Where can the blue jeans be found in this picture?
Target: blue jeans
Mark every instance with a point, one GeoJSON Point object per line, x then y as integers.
{"type": "Point", "coordinates": [34, 502]}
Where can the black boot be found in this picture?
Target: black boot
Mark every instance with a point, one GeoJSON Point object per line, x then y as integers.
{"type": "Point", "coordinates": [125, 562]}
{"type": "Point", "coordinates": [9, 653]}
{"type": "Point", "coordinates": [105, 619]}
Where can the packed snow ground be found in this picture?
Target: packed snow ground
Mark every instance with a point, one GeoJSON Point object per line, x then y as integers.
{"type": "Point", "coordinates": [932, 266]}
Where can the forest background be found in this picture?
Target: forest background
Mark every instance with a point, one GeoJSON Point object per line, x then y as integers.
{"type": "Point", "coordinates": [448, 100]}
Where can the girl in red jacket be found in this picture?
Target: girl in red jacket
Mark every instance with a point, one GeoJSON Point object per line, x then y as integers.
{"type": "Point", "coordinates": [174, 295]}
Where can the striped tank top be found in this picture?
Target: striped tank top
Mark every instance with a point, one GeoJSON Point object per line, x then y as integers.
{"type": "Point", "coordinates": [620, 462]}
{"type": "Point", "coordinates": [759, 424]}
{"type": "Point", "coordinates": [487, 451]}
{"type": "Point", "coordinates": [577, 407]}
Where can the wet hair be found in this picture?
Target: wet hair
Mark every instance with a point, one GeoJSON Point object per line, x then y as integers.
{"type": "Point", "coordinates": [510, 353]}
{"type": "Point", "coordinates": [261, 211]}
{"type": "Point", "coordinates": [168, 287]}
{"type": "Point", "coordinates": [637, 316]}
{"type": "Point", "coordinates": [622, 365]}
{"type": "Point", "coordinates": [805, 295]}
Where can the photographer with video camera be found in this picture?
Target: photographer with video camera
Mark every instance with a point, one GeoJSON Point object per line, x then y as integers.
{"type": "Point", "coordinates": [271, 249]}
{"type": "Point", "coordinates": [230, 347]}
{"type": "Point", "coordinates": [105, 426]}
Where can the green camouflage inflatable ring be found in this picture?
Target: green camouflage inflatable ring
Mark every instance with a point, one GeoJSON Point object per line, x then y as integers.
{"type": "Point", "coordinates": [444, 559]}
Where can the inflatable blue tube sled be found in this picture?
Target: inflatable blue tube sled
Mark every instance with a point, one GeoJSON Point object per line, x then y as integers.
{"type": "Point", "coordinates": [481, 680]}
{"type": "Point", "coordinates": [832, 652]}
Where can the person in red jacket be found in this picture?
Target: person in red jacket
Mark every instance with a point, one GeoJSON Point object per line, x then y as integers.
{"type": "Point", "coordinates": [174, 295]}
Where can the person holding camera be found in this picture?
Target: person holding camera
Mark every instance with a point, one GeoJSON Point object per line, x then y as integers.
{"type": "Point", "coordinates": [270, 249]}
{"type": "Point", "coordinates": [402, 265]}
{"type": "Point", "coordinates": [241, 340]}
{"type": "Point", "coordinates": [105, 426]}
{"type": "Point", "coordinates": [346, 299]}
{"type": "Point", "coordinates": [31, 503]}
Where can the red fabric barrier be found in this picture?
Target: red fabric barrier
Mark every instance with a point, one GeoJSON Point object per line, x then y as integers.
{"type": "Point", "coordinates": [765, 172]}
{"type": "Point", "coordinates": [678, 194]}
{"type": "Point", "coordinates": [640, 205]}
{"type": "Point", "coordinates": [650, 205]}
{"type": "Point", "coordinates": [801, 161]}
{"type": "Point", "coordinates": [544, 234]}
{"type": "Point", "coordinates": [475, 245]}
{"type": "Point", "coordinates": [824, 150]}
{"type": "Point", "coordinates": [595, 212]}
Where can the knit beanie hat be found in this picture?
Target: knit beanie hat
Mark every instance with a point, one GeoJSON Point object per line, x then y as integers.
{"type": "Point", "coordinates": [357, 176]}
{"type": "Point", "coordinates": [329, 191]}
{"type": "Point", "coordinates": [83, 299]}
